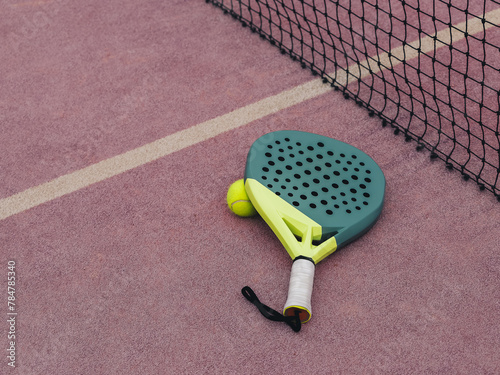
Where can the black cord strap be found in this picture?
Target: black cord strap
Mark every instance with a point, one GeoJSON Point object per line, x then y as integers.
{"type": "Point", "coordinates": [292, 321]}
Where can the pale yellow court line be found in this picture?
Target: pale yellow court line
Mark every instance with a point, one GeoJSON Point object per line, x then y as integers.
{"type": "Point", "coordinates": [116, 165]}
{"type": "Point", "coordinates": [152, 151]}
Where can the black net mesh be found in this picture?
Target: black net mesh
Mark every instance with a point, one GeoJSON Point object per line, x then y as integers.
{"type": "Point", "coordinates": [430, 69]}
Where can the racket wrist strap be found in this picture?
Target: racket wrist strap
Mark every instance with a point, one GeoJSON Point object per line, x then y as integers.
{"type": "Point", "coordinates": [269, 313]}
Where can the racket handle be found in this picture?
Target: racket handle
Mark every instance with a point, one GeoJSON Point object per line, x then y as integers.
{"type": "Point", "coordinates": [300, 290]}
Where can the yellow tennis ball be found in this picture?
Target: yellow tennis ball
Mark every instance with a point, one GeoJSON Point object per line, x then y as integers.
{"type": "Point", "coordinates": [238, 201]}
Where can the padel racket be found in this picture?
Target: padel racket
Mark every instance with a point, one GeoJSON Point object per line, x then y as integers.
{"type": "Point", "coordinates": [317, 194]}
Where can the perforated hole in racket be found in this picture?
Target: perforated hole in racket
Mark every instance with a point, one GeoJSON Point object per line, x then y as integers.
{"type": "Point", "coordinates": [317, 177]}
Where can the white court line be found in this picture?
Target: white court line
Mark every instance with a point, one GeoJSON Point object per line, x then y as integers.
{"type": "Point", "coordinates": [116, 165]}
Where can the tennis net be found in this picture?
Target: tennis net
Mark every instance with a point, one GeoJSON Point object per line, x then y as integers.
{"type": "Point", "coordinates": [430, 69]}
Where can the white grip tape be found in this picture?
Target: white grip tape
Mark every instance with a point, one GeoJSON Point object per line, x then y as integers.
{"type": "Point", "coordinates": [301, 285]}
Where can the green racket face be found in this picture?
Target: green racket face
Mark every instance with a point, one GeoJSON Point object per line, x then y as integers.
{"type": "Point", "coordinates": [333, 183]}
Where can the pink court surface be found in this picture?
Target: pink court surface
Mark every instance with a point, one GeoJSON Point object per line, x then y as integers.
{"type": "Point", "coordinates": [122, 125]}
